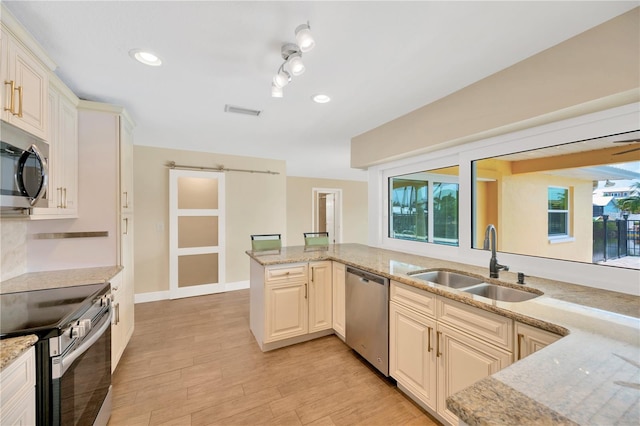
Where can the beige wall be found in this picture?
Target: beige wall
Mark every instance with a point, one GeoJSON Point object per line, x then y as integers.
{"type": "Point", "coordinates": [299, 208]}
{"type": "Point", "coordinates": [595, 70]}
{"type": "Point", "coordinates": [255, 203]}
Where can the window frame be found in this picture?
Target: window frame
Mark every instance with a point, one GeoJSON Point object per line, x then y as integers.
{"type": "Point", "coordinates": [566, 212]}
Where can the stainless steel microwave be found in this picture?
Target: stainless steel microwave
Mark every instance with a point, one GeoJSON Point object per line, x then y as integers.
{"type": "Point", "coordinates": [23, 169]}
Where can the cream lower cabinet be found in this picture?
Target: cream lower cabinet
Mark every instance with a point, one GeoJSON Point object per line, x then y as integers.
{"type": "Point", "coordinates": [438, 347]}
{"type": "Point", "coordinates": [339, 306]}
{"type": "Point", "coordinates": [290, 303]}
{"type": "Point", "coordinates": [122, 316]}
{"type": "Point", "coordinates": [531, 339]}
{"type": "Point", "coordinates": [412, 356]}
{"type": "Point", "coordinates": [286, 307]}
{"type": "Point", "coordinates": [18, 391]}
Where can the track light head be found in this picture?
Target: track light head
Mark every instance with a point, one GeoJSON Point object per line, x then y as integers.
{"type": "Point", "coordinates": [304, 39]}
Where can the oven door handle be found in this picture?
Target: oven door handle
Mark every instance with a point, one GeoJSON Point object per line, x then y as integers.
{"type": "Point", "coordinates": [65, 361]}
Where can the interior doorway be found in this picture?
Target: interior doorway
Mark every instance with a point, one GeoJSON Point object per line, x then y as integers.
{"type": "Point", "coordinates": [327, 212]}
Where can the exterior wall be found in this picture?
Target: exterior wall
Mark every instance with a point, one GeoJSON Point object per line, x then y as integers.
{"type": "Point", "coordinates": [596, 70]}
{"type": "Point", "coordinates": [299, 208]}
{"type": "Point", "coordinates": [524, 217]}
{"type": "Point", "coordinates": [256, 204]}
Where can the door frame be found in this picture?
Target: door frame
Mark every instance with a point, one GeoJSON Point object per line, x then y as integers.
{"type": "Point", "coordinates": [337, 192]}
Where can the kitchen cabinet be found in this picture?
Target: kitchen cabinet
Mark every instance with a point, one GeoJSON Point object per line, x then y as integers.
{"type": "Point", "coordinates": [412, 355]}
{"type": "Point", "coordinates": [320, 296]}
{"type": "Point", "coordinates": [286, 296]}
{"type": "Point", "coordinates": [25, 86]}
{"type": "Point", "coordinates": [105, 138]}
{"type": "Point", "coordinates": [438, 346]}
{"type": "Point", "coordinates": [122, 295]}
{"type": "Point", "coordinates": [290, 303]}
{"type": "Point", "coordinates": [63, 155]}
{"type": "Point", "coordinates": [339, 306]}
{"type": "Point", "coordinates": [18, 391]}
{"type": "Point", "coordinates": [531, 339]}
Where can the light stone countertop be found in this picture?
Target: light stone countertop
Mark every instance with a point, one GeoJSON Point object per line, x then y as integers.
{"type": "Point", "coordinates": [590, 376]}
{"type": "Point", "coordinates": [12, 348]}
{"type": "Point", "coordinates": [56, 279]}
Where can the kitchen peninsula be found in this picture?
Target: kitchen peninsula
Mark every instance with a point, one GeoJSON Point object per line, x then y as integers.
{"type": "Point", "coordinates": [589, 376]}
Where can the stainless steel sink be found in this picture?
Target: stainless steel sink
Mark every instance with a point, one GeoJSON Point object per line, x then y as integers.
{"type": "Point", "coordinates": [504, 294]}
{"type": "Point", "coordinates": [449, 279]}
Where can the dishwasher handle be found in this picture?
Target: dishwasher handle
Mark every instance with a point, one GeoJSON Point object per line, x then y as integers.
{"type": "Point", "coordinates": [366, 276]}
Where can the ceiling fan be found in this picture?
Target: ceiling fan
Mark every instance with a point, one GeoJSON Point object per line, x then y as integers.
{"type": "Point", "coordinates": [632, 141]}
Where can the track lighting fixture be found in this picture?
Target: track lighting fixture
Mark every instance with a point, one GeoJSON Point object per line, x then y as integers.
{"type": "Point", "coordinates": [292, 55]}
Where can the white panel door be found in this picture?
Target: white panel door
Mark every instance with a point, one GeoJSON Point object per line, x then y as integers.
{"type": "Point", "coordinates": [196, 233]}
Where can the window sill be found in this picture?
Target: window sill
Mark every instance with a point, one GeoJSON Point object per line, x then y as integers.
{"type": "Point", "coordinates": [559, 240]}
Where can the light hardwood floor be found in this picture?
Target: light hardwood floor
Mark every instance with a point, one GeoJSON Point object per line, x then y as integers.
{"type": "Point", "coordinates": [194, 361]}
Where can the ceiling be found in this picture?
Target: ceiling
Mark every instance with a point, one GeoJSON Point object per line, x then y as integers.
{"type": "Point", "coordinates": [377, 60]}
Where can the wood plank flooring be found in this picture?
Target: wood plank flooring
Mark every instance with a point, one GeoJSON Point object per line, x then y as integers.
{"type": "Point", "coordinates": [194, 361]}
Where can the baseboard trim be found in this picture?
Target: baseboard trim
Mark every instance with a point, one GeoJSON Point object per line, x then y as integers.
{"type": "Point", "coordinates": [164, 295]}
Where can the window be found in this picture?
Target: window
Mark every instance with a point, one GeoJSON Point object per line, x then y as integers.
{"type": "Point", "coordinates": [558, 205]}
{"type": "Point", "coordinates": [424, 206]}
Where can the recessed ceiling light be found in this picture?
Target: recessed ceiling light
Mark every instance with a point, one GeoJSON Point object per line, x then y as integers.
{"type": "Point", "coordinates": [145, 57]}
{"type": "Point", "coordinates": [320, 98]}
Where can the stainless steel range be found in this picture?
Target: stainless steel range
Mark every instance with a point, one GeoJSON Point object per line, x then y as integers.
{"type": "Point", "coordinates": [73, 354]}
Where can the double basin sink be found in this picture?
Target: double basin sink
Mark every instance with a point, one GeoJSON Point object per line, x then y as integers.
{"type": "Point", "coordinates": [475, 286]}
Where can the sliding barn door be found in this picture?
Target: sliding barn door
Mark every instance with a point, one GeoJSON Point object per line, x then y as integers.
{"type": "Point", "coordinates": [196, 233]}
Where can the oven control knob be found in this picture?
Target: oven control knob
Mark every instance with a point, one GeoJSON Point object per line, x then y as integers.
{"type": "Point", "coordinates": [77, 331]}
{"type": "Point", "coordinates": [86, 324]}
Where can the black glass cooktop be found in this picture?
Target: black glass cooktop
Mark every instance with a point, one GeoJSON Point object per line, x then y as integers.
{"type": "Point", "coordinates": [43, 311]}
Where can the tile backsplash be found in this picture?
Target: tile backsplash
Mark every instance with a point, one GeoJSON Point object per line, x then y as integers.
{"type": "Point", "coordinates": [13, 248]}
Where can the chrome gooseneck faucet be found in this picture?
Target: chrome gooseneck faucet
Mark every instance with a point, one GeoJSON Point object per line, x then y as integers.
{"type": "Point", "coordinates": [494, 266]}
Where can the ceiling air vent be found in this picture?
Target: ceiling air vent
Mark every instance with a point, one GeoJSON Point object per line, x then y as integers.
{"type": "Point", "coordinates": [239, 110]}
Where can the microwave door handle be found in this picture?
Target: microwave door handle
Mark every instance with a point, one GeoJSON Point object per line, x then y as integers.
{"type": "Point", "coordinates": [44, 175]}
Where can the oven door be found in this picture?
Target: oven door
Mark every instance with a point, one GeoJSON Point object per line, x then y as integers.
{"type": "Point", "coordinates": [82, 379]}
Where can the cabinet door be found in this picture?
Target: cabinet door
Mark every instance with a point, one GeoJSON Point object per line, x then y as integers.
{"type": "Point", "coordinates": [412, 356]}
{"type": "Point", "coordinates": [126, 166]}
{"type": "Point", "coordinates": [462, 361]}
{"type": "Point", "coordinates": [31, 84]}
{"type": "Point", "coordinates": [531, 339]}
{"type": "Point", "coordinates": [338, 278]}
{"type": "Point", "coordinates": [285, 310]}
{"type": "Point", "coordinates": [320, 300]}
{"type": "Point", "coordinates": [127, 296]}
{"type": "Point", "coordinates": [68, 156]}
{"type": "Point", "coordinates": [117, 346]}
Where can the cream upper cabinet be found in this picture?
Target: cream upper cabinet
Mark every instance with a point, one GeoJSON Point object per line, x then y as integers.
{"type": "Point", "coordinates": [126, 166]}
{"type": "Point", "coordinates": [286, 307]}
{"type": "Point", "coordinates": [25, 87]}
{"type": "Point", "coordinates": [339, 305]}
{"type": "Point", "coordinates": [63, 155]}
{"type": "Point", "coordinates": [320, 300]}
{"type": "Point", "coordinates": [18, 391]}
{"type": "Point", "coordinates": [531, 339]}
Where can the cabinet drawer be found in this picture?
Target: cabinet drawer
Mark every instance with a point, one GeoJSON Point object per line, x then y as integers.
{"type": "Point", "coordinates": [18, 377]}
{"type": "Point", "coordinates": [414, 298]}
{"type": "Point", "coordinates": [490, 327]}
{"type": "Point", "coordinates": [277, 274]}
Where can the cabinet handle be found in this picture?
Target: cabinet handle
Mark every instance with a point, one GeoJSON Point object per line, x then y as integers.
{"type": "Point", "coordinates": [305, 290]}
{"type": "Point", "coordinates": [438, 353]}
{"type": "Point", "coordinates": [126, 226]}
{"type": "Point", "coordinates": [313, 274]}
{"type": "Point", "coordinates": [118, 314]}
{"type": "Point", "coordinates": [19, 101]}
{"type": "Point", "coordinates": [59, 190]}
{"type": "Point", "coordinates": [126, 200]}
{"type": "Point", "coordinates": [12, 99]}
{"type": "Point", "coordinates": [64, 203]}
{"type": "Point", "coordinates": [520, 337]}
{"type": "Point", "coordinates": [429, 348]}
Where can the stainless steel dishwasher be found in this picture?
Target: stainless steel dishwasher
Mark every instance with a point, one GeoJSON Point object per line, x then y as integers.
{"type": "Point", "coordinates": [367, 317]}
